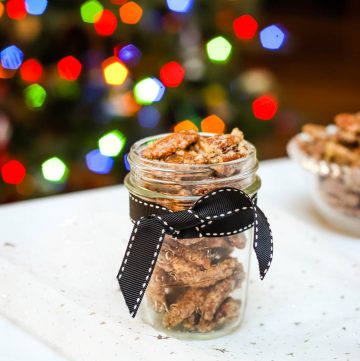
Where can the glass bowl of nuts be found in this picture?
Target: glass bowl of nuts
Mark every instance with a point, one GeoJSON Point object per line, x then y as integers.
{"type": "Point", "coordinates": [331, 155]}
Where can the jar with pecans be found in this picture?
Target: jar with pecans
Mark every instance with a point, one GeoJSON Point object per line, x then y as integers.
{"type": "Point", "coordinates": [198, 288]}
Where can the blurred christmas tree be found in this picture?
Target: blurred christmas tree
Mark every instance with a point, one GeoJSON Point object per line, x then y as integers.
{"type": "Point", "coordinates": [81, 81]}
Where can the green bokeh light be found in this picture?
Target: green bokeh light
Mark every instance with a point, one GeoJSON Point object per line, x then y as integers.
{"type": "Point", "coordinates": [55, 170]}
{"type": "Point", "coordinates": [89, 10]}
{"type": "Point", "coordinates": [35, 96]}
{"type": "Point", "coordinates": [111, 144]}
{"type": "Point", "coordinates": [218, 50]}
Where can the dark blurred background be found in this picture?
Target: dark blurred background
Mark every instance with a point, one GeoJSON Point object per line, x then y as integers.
{"type": "Point", "coordinates": [80, 81]}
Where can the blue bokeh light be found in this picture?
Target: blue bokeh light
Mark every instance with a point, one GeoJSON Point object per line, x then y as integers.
{"type": "Point", "coordinates": [180, 6]}
{"type": "Point", "coordinates": [126, 162]}
{"type": "Point", "coordinates": [272, 37]}
{"type": "Point", "coordinates": [36, 7]}
{"type": "Point", "coordinates": [161, 89]}
{"type": "Point", "coordinates": [99, 163]}
{"type": "Point", "coordinates": [11, 57]}
{"type": "Point", "coordinates": [148, 117]}
{"type": "Point", "coordinates": [129, 54]}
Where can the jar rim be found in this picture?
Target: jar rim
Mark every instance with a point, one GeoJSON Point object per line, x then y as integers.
{"type": "Point", "coordinates": [134, 157]}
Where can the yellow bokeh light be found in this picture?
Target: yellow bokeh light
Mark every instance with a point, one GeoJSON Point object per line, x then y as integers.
{"type": "Point", "coordinates": [114, 71]}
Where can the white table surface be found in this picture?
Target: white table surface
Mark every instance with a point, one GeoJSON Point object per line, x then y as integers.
{"type": "Point", "coordinates": [59, 299]}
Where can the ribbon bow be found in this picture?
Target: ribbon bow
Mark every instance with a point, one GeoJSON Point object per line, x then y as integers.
{"type": "Point", "coordinates": [223, 212]}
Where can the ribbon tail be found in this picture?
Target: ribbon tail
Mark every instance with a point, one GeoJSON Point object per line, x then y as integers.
{"type": "Point", "coordinates": [139, 261]}
{"type": "Point", "coordinates": [263, 241]}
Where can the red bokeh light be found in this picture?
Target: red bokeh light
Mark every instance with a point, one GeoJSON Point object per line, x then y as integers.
{"type": "Point", "coordinates": [13, 172]}
{"type": "Point", "coordinates": [245, 27]}
{"type": "Point", "coordinates": [31, 71]}
{"type": "Point", "coordinates": [105, 23]}
{"type": "Point", "coordinates": [69, 68]}
{"type": "Point", "coordinates": [16, 9]}
{"type": "Point", "coordinates": [265, 107]}
{"type": "Point", "coordinates": [172, 74]}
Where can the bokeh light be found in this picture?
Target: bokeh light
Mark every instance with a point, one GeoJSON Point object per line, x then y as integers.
{"type": "Point", "coordinates": [99, 163]}
{"type": "Point", "coordinates": [272, 37]}
{"type": "Point", "coordinates": [129, 54]}
{"type": "Point", "coordinates": [130, 13]}
{"type": "Point", "coordinates": [11, 57]}
{"type": "Point", "coordinates": [180, 6]}
{"type": "Point", "coordinates": [36, 7]}
{"type": "Point", "coordinates": [13, 172]}
{"type": "Point", "coordinates": [213, 124]}
{"type": "Point", "coordinates": [185, 125]}
{"type": "Point", "coordinates": [35, 96]}
{"type": "Point", "coordinates": [27, 187]}
{"type": "Point", "coordinates": [148, 117]}
{"type": "Point", "coordinates": [16, 9]}
{"type": "Point", "coordinates": [111, 144]}
{"type": "Point", "coordinates": [89, 10]}
{"type": "Point", "coordinates": [245, 27]}
{"type": "Point", "coordinates": [172, 74]}
{"type": "Point", "coordinates": [31, 71]}
{"type": "Point", "coordinates": [149, 90]}
{"type": "Point", "coordinates": [6, 73]}
{"type": "Point", "coordinates": [105, 23]}
{"type": "Point", "coordinates": [218, 50]}
{"type": "Point", "coordinates": [126, 162]}
{"type": "Point", "coordinates": [114, 71]}
{"type": "Point", "coordinates": [69, 68]}
{"type": "Point", "coordinates": [265, 107]}
{"type": "Point", "coordinates": [2, 9]}
{"type": "Point", "coordinates": [54, 170]}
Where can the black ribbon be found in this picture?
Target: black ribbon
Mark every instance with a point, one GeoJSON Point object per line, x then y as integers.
{"type": "Point", "coordinates": [223, 212]}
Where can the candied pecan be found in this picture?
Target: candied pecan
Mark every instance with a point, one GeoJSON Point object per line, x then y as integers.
{"type": "Point", "coordinates": [349, 122]}
{"type": "Point", "coordinates": [171, 249]}
{"type": "Point", "coordinates": [216, 295]}
{"type": "Point", "coordinates": [187, 274]}
{"type": "Point", "coordinates": [185, 306]}
{"type": "Point", "coordinates": [227, 312]}
{"type": "Point", "coordinates": [315, 131]}
{"type": "Point", "coordinates": [338, 153]}
{"type": "Point", "coordinates": [170, 144]}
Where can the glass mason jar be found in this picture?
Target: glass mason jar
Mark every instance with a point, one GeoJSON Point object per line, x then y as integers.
{"type": "Point", "coordinates": [198, 288]}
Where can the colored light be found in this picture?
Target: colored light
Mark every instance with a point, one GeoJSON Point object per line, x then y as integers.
{"type": "Point", "coordinates": [245, 27]}
{"type": "Point", "coordinates": [54, 170]}
{"type": "Point", "coordinates": [35, 7]}
{"type": "Point", "coordinates": [112, 144]}
{"type": "Point", "coordinates": [130, 13]}
{"type": "Point", "coordinates": [148, 117]}
{"type": "Point", "coordinates": [69, 68]}
{"type": "Point", "coordinates": [27, 187]}
{"type": "Point", "coordinates": [129, 54]}
{"type": "Point", "coordinates": [2, 8]}
{"type": "Point", "coordinates": [149, 90]}
{"type": "Point", "coordinates": [126, 162]}
{"type": "Point", "coordinates": [172, 74]}
{"type": "Point", "coordinates": [213, 124]}
{"type": "Point", "coordinates": [105, 23]}
{"type": "Point", "coordinates": [272, 37]}
{"type": "Point", "coordinates": [180, 6]}
{"type": "Point", "coordinates": [89, 10]}
{"type": "Point", "coordinates": [114, 71]}
{"type": "Point", "coordinates": [31, 71]}
{"type": "Point", "coordinates": [16, 9]}
{"type": "Point", "coordinates": [265, 107]}
{"type": "Point", "coordinates": [35, 96]}
{"type": "Point", "coordinates": [11, 57]}
{"type": "Point", "coordinates": [6, 73]}
{"type": "Point", "coordinates": [13, 172]}
{"type": "Point", "coordinates": [218, 50]}
{"type": "Point", "coordinates": [99, 163]}
{"type": "Point", "coordinates": [185, 125]}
